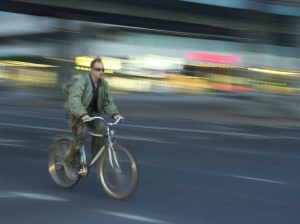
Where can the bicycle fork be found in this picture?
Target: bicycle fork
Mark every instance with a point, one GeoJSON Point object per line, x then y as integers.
{"type": "Point", "coordinates": [113, 158]}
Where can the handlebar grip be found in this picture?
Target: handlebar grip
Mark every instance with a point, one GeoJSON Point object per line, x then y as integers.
{"type": "Point", "coordinates": [92, 118]}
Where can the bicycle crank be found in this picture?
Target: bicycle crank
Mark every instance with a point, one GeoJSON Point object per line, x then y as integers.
{"type": "Point", "coordinates": [83, 171]}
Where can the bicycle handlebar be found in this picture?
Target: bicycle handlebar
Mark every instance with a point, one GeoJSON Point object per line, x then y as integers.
{"type": "Point", "coordinates": [102, 119]}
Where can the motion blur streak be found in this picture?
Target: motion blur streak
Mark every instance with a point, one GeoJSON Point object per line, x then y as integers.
{"type": "Point", "coordinates": [210, 93]}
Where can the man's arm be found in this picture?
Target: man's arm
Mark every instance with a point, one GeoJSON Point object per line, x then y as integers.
{"type": "Point", "coordinates": [75, 96]}
{"type": "Point", "coordinates": [109, 106]}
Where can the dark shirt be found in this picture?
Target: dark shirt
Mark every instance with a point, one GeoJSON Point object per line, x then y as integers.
{"type": "Point", "coordinates": [93, 103]}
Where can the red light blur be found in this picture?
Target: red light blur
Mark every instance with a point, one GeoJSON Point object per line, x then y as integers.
{"type": "Point", "coordinates": [213, 58]}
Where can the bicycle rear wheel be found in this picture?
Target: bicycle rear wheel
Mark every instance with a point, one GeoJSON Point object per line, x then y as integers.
{"type": "Point", "coordinates": [57, 154]}
{"type": "Point", "coordinates": [118, 183]}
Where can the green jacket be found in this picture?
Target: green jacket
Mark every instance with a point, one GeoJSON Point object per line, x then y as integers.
{"type": "Point", "coordinates": [81, 94]}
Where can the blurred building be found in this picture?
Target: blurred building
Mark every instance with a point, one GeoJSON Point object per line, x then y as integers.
{"type": "Point", "coordinates": [225, 45]}
{"type": "Point", "coordinates": [268, 29]}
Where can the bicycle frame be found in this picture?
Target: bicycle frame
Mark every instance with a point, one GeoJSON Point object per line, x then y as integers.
{"type": "Point", "coordinates": [112, 159]}
{"type": "Point", "coordinates": [109, 146]}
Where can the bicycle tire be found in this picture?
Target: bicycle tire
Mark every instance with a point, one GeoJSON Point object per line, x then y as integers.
{"type": "Point", "coordinates": [111, 184]}
{"type": "Point", "coordinates": [57, 153]}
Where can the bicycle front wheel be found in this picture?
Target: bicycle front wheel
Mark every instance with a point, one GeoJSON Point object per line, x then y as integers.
{"type": "Point", "coordinates": [118, 177]}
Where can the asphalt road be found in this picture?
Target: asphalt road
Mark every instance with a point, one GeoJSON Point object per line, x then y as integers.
{"type": "Point", "coordinates": [191, 171]}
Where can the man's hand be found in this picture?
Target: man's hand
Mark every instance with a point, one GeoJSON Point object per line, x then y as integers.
{"type": "Point", "coordinates": [116, 117]}
{"type": "Point", "coordinates": [86, 118]}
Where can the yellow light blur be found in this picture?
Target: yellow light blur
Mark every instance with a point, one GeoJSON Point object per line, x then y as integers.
{"type": "Point", "coordinates": [9, 63]}
{"type": "Point", "coordinates": [83, 61]}
{"type": "Point", "coordinates": [268, 83]}
{"type": "Point", "coordinates": [276, 89]}
{"type": "Point", "coordinates": [109, 63]}
{"type": "Point", "coordinates": [106, 71]}
{"type": "Point", "coordinates": [228, 79]}
{"type": "Point", "coordinates": [59, 59]}
{"type": "Point", "coordinates": [275, 72]}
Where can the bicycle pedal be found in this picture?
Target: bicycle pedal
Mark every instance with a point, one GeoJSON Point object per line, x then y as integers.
{"type": "Point", "coordinates": [83, 171]}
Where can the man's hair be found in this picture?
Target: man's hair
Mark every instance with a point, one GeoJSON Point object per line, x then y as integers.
{"type": "Point", "coordinates": [96, 60]}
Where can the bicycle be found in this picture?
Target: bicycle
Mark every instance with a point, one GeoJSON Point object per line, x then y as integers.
{"type": "Point", "coordinates": [114, 163]}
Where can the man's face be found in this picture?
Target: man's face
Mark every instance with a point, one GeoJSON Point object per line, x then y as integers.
{"type": "Point", "coordinates": [97, 70]}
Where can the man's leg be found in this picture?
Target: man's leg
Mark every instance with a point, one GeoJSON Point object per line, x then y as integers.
{"type": "Point", "coordinates": [98, 142]}
{"type": "Point", "coordinates": [79, 129]}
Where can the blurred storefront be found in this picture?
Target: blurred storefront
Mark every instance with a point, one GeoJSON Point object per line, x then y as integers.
{"type": "Point", "coordinates": [142, 60]}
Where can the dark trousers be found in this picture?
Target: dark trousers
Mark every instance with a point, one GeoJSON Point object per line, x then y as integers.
{"type": "Point", "coordinates": [80, 131]}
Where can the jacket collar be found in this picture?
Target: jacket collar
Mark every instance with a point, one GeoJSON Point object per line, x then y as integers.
{"type": "Point", "coordinates": [99, 81]}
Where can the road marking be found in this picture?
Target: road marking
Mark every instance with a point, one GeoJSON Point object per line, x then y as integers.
{"type": "Point", "coordinates": [195, 131]}
{"type": "Point", "coordinates": [286, 137]}
{"type": "Point", "coordinates": [9, 144]}
{"type": "Point", "coordinates": [144, 127]}
{"type": "Point", "coordinates": [138, 126]}
{"type": "Point", "coordinates": [246, 151]}
{"type": "Point", "coordinates": [21, 114]}
{"type": "Point", "coordinates": [215, 174]}
{"type": "Point", "coordinates": [14, 194]}
{"type": "Point", "coordinates": [256, 179]}
{"type": "Point", "coordinates": [232, 150]}
{"type": "Point", "coordinates": [255, 136]}
{"type": "Point", "coordinates": [34, 127]}
{"type": "Point", "coordinates": [4, 142]}
{"type": "Point", "coordinates": [64, 130]}
{"type": "Point", "coordinates": [132, 217]}
{"type": "Point", "coordinates": [252, 151]}
{"type": "Point", "coordinates": [12, 142]}
{"type": "Point", "coordinates": [143, 139]}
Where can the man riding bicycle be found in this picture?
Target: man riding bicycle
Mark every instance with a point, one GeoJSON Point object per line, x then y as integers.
{"type": "Point", "coordinates": [88, 96]}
